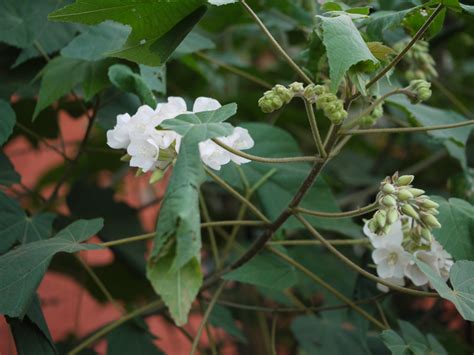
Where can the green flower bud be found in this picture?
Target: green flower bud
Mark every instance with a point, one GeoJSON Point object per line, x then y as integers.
{"type": "Point", "coordinates": [410, 211]}
{"type": "Point", "coordinates": [392, 216]}
{"type": "Point", "coordinates": [367, 121]}
{"type": "Point", "coordinates": [386, 229]}
{"type": "Point", "coordinates": [421, 89]}
{"type": "Point", "coordinates": [426, 234]}
{"type": "Point", "coordinates": [126, 158]}
{"type": "Point", "coordinates": [320, 89]}
{"type": "Point", "coordinates": [373, 226]}
{"type": "Point", "coordinates": [388, 188]}
{"type": "Point", "coordinates": [296, 87]}
{"type": "Point", "coordinates": [156, 176]}
{"type": "Point", "coordinates": [139, 172]}
{"type": "Point", "coordinates": [381, 217]}
{"type": "Point", "coordinates": [285, 94]}
{"type": "Point", "coordinates": [428, 204]}
{"type": "Point", "coordinates": [405, 180]}
{"type": "Point", "coordinates": [431, 220]}
{"type": "Point", "coordinates": [416, 192]}
{"type": "Point", "coordinates": [404, 195]}
{"type": "Point", "coordinates": [389, 201]}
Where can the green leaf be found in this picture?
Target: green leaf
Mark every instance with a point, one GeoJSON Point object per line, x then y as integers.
{"type": "Point", "coordinates": [412, 341]}
{"type": "Point", "coordinates": [275, 194]}
{"type": "Point", "coordinates": [16, 226]}
{"type": "Point", "coordinates": [221, 317]}
{"type": "Point", "coordinates": [177, 287]}
{"type": "Point", "coordinates": [154, 77]}
{"type": "Point", "coordinates": [7, 121]}
{"type": "Point", "coordinates": [382, 22]}
{"type": "Point", "coordinates": [456, 234]}
{"type": "Point", "coordinates": [200, 126]}
{"type": "Point", "coordinates": [265, 270]}
{"type": "Point", "coordinates": [462, 293]}
{"type": "Point", "coordinates": [323, 336]}
{"type": "Point", "coordinates": [157, 26]}
{"type": "Point", "coordinates": [22, 269]}
{"type": "Point", "coordinates": [380, 51]}
{"type": "Point", "coordinates": [416, 18]}
{"type": "Point", "coordinates": [57, 80]}
{"type": "Point", "coordinates": [125, 79]}
{"type": "Point", "coordinates": [96, 41]}
{"type": "Point", "coordinates": [31, 333]}
{"type": "Point", "coordinates": [132, 338]}
{"type": "Point", "coordinates": [345, 47]}
{"type": "Point", "coordinates": [194, 42]}
{"type": "Point", "coordinates": [8, 175]}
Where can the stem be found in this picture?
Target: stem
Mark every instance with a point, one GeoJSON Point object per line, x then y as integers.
{"type": "Point", "coordinates": [275, 44]}
{"type": "Point", "coordinates": [400, 55]}
{"type": "Point", "coordinates": [264, 159]}
{"type": "Point", "coordinates": [235, 70]}
{"type": "Point", "coordinates": [111, 326]}
{"type": "Point", "coordinates": [328, 287]}
{"type": "Point", "coordinates": [136, 238]}
{"type": "Point", "coordinates": [382, 313]}
{"type": "Point", "coordinates": [206, 317]}
{"type": "Point", "coordinates": [408, 129]}
{"type": "Point", "coordinates": [210, 230]}
{"type": "Point", "coordinates": [237, 195]}
{"type": "Point", "coordinates": [314, 128]}
{"type": "Point", "coordinates": [340, 242]}
{"type": "Point", "coordinates": [353, 213]}
{"type": "Point", "coordinates": [99, 283]}
{"type": "Point", "coordinates": [357, 268]}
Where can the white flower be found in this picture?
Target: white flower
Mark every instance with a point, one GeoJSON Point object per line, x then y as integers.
{"type": "Point", "coordinates": [413, 272]}
{"type": "Point", "coordinates": [205, 104]}
{"type": "Point", "coordinates": [444, 259]}
{"type": "Point", "coordinates": [393, 237]}
{"type": "Point", "coordinates": [213, 155]}
{"type": "Point", "coordinates": [118, 137]}
{"type": "Point", "coordinates": [221, 2]}
{"type": "Point", "coordinates": [144, 154]}
{"type": "Point", "coordinates": [399, 281]}
{"type": "Point", "coordinates": [391, 261]}
{"type": "Point", "coordinates": [239, 139]}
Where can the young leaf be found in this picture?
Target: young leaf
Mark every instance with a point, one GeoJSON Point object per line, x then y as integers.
{"type": "Point", "coordinates": [96, 41]}
{"type": "Point", "coordinates": [345, 47]}
{"type": "Point", "coordinates": [7, 121]}
{"type": "Point", "coordinates": [167, 23]}
{"type": "Point", "coordinates": [380, 51]}
{"type": "Point", "coordinates": [456, 234]}
{"type": "Point", "coordinates": [178, 287]}
{"type": "Point", "coordinates": [265, 270]}
{"type": "Point", "coordinates": [462, 293]}
{"type": "Point", "coordinates": [16, 226]}
{"type": "Point", "coordinates": [8, 175]}
{"type": "Point", "coordinates": [22, 269]}
{"type": "Point", "coordinates": [124, 78]}
{"type": "Point", "coordinates": [31, 333]}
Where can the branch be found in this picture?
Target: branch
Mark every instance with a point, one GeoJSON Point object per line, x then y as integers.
{"type": "Point", "coordinates": [354, 213]}
{"type": "Point", "coordinates": [275, 44]}
{"type": "Point", "coordinates": [408, 129]}
{"type": "Point", "coordinates": [263, 159]}
{"type": "Point", "coordinates": [339, 242]}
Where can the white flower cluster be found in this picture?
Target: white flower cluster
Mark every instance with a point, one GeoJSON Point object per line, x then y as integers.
{"type": "Point", "coordinates": [151, 147]}
{"type": "Point", "coordinates": [401, 231]}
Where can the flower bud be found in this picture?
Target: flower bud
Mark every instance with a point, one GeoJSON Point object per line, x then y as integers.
{"type": "Point", "coordinates": [373, 226]}
{"type": "Point", "coordinates": [156, 176]}
{"type": "Point", "coordinates": [389, 201]}
{"type": "Point", "coordinates": [392, 215]}
{"type": "Point", "coordinates": [296, 87]}
{"type": "Point", "coordinates": [381, 217]}
{"type": "Point", "coordinates": [428, 204]}
{"type": "Point", "coordinates": [426, 234]}
{"type": "Point", "coordinates": [320, 89]}
{"type": "Point", "coordinates": [286, 95]}
{"type": "Point", "coordinates": [431, 220]}
{"type": "Point", "coordinates": [386, 229]}
{"type": "Point", "coordinates": [388, 188]}
{"type": "Point", "coordinates": [404, 195]}
{"type": "Point", "coordinates": [405, 180]}
{"type": "Point", "coordinates": [416, 192]}
{"type": "Point", "coordinates": [410, 211]}
{"type": "Point", "coordinates": [126, 158]}
{"type": "Point", "coordinates": [421, 89]}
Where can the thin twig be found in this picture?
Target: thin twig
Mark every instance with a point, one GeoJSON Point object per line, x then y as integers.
{"type": "Point", "coordinates": [358, 212]}
{"type": "Point", "coordinates": [314, 128]}
{"type": "Point", "coordinates": [339, 242]}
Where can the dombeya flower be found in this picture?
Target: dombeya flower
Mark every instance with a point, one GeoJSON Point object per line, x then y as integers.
{"type": "Point", "coordinates": [391, 261]}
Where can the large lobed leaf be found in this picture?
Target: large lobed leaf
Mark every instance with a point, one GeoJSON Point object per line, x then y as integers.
{"type": "Point", "coordinates": [22, 269]}
{"type": "Point", "coordinates": [157, 26]}
{"type": "Point", "coordinates": [462, 293]}
{"type": "Point", "coordinates": [345, 47]}
{"type": "Point", "coordinates": [175, 274]}
{"type": "Point", "coordinates": [456, 234]}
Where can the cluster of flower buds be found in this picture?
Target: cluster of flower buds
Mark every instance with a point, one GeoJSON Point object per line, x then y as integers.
{"type": "Point", "coordinates": [278, 96]}
{"type": "Point", "coordinates": [398, 197]}
{"type": "Point", "coordinates": [326, 101]}
{"type": "Point", "coordinates": [421, 90]}
{"type": "Point", "coordinates": [372, 118]}
{"type": "Point", "coordinates": [421, 63]}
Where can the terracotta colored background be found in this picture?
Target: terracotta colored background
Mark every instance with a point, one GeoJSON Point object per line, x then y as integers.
{"type": "Point", "coordinates": [68, 308]}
